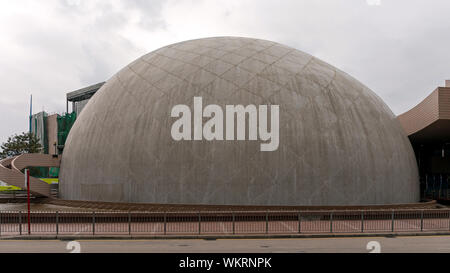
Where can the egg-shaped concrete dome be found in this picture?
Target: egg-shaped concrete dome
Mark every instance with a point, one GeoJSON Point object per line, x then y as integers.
{"type": "Point", "coordinates": [339, 144]}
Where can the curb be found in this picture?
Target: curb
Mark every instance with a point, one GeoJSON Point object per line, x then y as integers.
{"type": "Point", "coordinates": [214, 237]}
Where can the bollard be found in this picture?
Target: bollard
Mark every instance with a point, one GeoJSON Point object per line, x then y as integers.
{"type": "Point", "coordinates": [233, 222]}
{"type": "Point", "coordinates": [57, 223]}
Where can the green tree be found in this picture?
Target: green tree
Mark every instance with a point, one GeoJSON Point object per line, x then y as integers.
{"type": "Point", "coordinates": [20, 144]}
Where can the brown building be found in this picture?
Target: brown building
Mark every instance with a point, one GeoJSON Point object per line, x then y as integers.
{"type": "Point", "coordinates": [53, 129]}
{"type": "Point", "coordinates": [428, 128]}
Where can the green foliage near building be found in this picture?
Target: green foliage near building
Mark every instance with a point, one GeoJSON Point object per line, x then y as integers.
{"type": "Point", "coordinates": [65, 123]}
{"type": "Point", "coordinates": [20, 144]}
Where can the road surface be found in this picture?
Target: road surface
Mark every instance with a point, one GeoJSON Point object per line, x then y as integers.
{"type": "Point", "coordinates": [297, 245]}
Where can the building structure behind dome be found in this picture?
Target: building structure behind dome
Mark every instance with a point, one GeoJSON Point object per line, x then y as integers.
{"type": "Point", "coordinates": [428, 128]}
{"type": "Point", "coordinates": [339, 144]}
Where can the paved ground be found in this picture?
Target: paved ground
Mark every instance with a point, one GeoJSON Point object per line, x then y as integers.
{"type": "Point", "coordinates": [71, 205]}
{"type": "Point", "coordinates": [307, 245]}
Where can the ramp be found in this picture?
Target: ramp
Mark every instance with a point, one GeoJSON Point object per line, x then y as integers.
{"type": "Point", "coordinates": [11, 171]}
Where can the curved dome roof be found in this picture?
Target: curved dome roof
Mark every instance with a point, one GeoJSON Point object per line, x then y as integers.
{"type": "Point", "coordinates": [339, 144]}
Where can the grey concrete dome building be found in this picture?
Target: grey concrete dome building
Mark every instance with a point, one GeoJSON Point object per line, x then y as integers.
{"type": "Point", "coordinates": [339, 144]}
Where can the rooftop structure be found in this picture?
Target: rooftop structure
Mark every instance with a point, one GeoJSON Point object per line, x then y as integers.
{"type": "Point", "coordinates": [428, 128]}
{"type": "Point", "coordinates": [80, 97]}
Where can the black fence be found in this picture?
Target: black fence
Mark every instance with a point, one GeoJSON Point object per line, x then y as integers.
{"type": "Point", "coordinates": [13, 223]}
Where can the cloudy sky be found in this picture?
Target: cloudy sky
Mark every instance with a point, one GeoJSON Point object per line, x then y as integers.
{"type": "Point", "coordinates": [398, 48]}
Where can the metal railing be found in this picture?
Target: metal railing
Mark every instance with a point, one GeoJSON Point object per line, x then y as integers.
{"type": "Point", "coordinates": [14, 223]}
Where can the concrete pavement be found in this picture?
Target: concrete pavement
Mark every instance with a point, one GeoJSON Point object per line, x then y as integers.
{"type": "Point", "coordinates": [413, 244]}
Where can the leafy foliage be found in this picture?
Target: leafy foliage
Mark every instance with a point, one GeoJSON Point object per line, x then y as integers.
{"type": "Point", "coordinates": [20, 144]}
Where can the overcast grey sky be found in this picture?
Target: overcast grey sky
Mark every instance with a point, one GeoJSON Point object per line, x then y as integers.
{"type": "Point", "coordinates": [398, 48]}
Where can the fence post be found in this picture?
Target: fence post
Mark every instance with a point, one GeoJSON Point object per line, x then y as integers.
{"type": "Point", "coordinates": [392, 225]}
{"type": "Point", "coordinates": [331, 222]}
{"type": "Point", "coordinates": [93, 223]}
{"type": "Point", "coordinates": [233, 222]}
{"type": "Point", "coordinates": [57, 223]}
{"type": "Point", "coordinates": [20, 222]}
{"type": "Point", "coordinates": [267, 222]}
{"type": "Point", "coordinates": [421, 220]}
{"type": "Point", "coordinates": [0, 223]}
{"type": "Point", "coordinates": [448, 219]}
{"type": "Point", "coordinates": [362, 221]}
{"type": "Point", "coordinates": [165, 223]}
{"type": "Point", "coordinates": [199, 223]}
{"type": "Point", "coordinates": [299, 223]}
{"type": "Point", "coordinates": [129, 223]}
